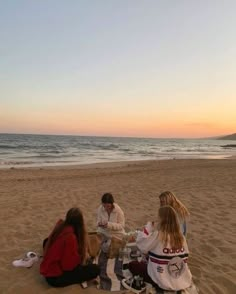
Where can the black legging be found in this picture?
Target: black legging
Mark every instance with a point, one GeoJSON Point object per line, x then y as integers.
{"type": "Point", "coordinates": [78, 275]}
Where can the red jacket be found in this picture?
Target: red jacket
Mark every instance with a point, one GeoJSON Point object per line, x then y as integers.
{"type": "Point", "coordinates": [62, 255]}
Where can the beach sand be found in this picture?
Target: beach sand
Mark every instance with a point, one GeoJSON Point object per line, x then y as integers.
{"type": "Point", "coordinates": [31, 201]}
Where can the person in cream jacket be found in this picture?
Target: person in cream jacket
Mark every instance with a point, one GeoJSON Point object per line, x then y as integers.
{"type": "Point", "coordinates": [110, 218]}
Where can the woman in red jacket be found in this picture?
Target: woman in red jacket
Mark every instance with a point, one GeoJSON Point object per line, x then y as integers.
{"type": "Point", "coordinates": [66, 252]}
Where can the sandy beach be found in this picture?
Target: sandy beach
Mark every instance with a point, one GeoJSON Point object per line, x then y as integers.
{"type": "Point", "coordinates": [31, 201]}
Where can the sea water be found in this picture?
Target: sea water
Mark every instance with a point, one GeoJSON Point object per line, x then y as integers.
{"type": "Point", "coordinates": [50, 150]}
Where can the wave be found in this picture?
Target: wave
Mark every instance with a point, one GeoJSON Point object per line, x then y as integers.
{"type": "Point", "coordinates": [55, 156]}
{"type": "Point", "coordinates": [16, 162]}
{"type": "Point", "coordinates": [105, 146]}
{"type": "Point", "coordinates": [3, 146]}
{"type": "Point", "coordinates": [125, 149]}
{"type": "Point", "coordinates": [16, 150]}
{"type": "Point", "coordinates": [144, 152]}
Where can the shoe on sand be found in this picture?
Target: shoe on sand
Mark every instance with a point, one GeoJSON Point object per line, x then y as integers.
{"type": "Point", "coordinates": [84, 285]}
{"type": "Point", "coordinates": [32, 254]}
{"type": "Point", "coordinates": [27, 261]}
{"type": "Point", "coordinates": [134, 284]}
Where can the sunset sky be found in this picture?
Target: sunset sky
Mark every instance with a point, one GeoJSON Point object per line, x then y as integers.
{"type": "Point", "coordinates": [154, 68]}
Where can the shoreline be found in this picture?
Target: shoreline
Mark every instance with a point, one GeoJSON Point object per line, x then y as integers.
{"type": "Point", "coordinates": [109, 163]}
{"type": "Point", "coordinates": [32, 199]}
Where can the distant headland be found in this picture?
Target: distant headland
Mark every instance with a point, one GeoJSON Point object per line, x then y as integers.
{"type": "Point", "coordinates": [228, 137]}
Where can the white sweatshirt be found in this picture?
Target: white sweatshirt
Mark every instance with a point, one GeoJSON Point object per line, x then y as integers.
{"type": "Point", "coordinates": [168, 268]}
{"type": "Point", "coordinates": [115, 222]}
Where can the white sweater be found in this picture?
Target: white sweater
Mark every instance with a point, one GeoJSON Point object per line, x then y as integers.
{"type": "Point", "coordinates": [168, 268]}
{"type": "Point", "coordinates": [115, 222]}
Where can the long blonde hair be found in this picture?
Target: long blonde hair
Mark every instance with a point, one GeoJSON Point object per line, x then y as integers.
{"type": "Point", "coordinates": [169, 228]}
{"type": "Point", "coordinates": [170, 199]}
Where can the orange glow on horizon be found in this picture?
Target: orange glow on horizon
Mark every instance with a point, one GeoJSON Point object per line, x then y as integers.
{"type": "Point", "coordinates": [146, 124]}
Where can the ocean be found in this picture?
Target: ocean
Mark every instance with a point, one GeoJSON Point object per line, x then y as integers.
{"type": "Point", "coordinates": [19, 150]}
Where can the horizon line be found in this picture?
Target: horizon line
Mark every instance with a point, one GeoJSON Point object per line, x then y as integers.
{"type": "Point", "coordinates": [107, 136]}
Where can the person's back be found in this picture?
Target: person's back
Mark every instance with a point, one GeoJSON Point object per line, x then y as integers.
{"type": "Point", "coordinates": [168, 267]}
{"type": "Point", "coordinates": [62, 255]}
{"type": "Point", "coordinates": [66, 251]}
{"type": "Point", "coordinates": [168, 253]}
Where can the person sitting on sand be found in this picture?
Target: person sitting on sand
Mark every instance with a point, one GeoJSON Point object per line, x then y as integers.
{"type": "Point", "coordinates": [66, 252]}
{"type": "Point", "coordinates": [168, 198]}
{"type": "Point", "coordinates": [167, 250]}
{"type": "Point", "coordinates": [110, 218]}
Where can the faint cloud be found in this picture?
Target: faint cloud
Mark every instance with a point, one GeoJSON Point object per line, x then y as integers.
{"type": "Point", "coordinates": [199, 124]}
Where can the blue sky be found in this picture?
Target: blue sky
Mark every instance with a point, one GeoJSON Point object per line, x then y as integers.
{"type": "Point", "coordinates": [132, 68]}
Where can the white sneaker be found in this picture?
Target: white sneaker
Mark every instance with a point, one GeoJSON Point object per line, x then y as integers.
{"type": "Point", "coordinates": [27, 261]}
{"type": "Point", "coordinates": [135, 285]}
{"type": "Point", "coordinates": [84, 285]}
{"type": "Point", "coordinates": [31, 254]}
{"type": "Point", "coordinates": [127, 283]}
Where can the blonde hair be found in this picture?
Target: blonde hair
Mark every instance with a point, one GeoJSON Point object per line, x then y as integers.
{"type": "Point", "coordinates": [173, 201]}
{"type": "Point", "coordinates": [169, 228]}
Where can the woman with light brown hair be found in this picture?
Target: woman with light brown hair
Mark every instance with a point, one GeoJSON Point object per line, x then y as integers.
{"type": "Point", "coordinates": [168, 198]}
{"type": "Point", "coordinates": [167, 250]}
{"type": "Point", "coordinates": [66, 252]}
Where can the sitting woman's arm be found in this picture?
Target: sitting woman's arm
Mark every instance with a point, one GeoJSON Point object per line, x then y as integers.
{"type": "Point", "coordinates": [99, 216]}
{"type": "Point", "coordinates": [119, 224]}
{"type": "Point", "coordinates": [145, 242]}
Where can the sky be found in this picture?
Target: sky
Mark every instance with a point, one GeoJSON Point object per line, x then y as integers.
{"type": "Point", "coordinates": [139, 68]}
